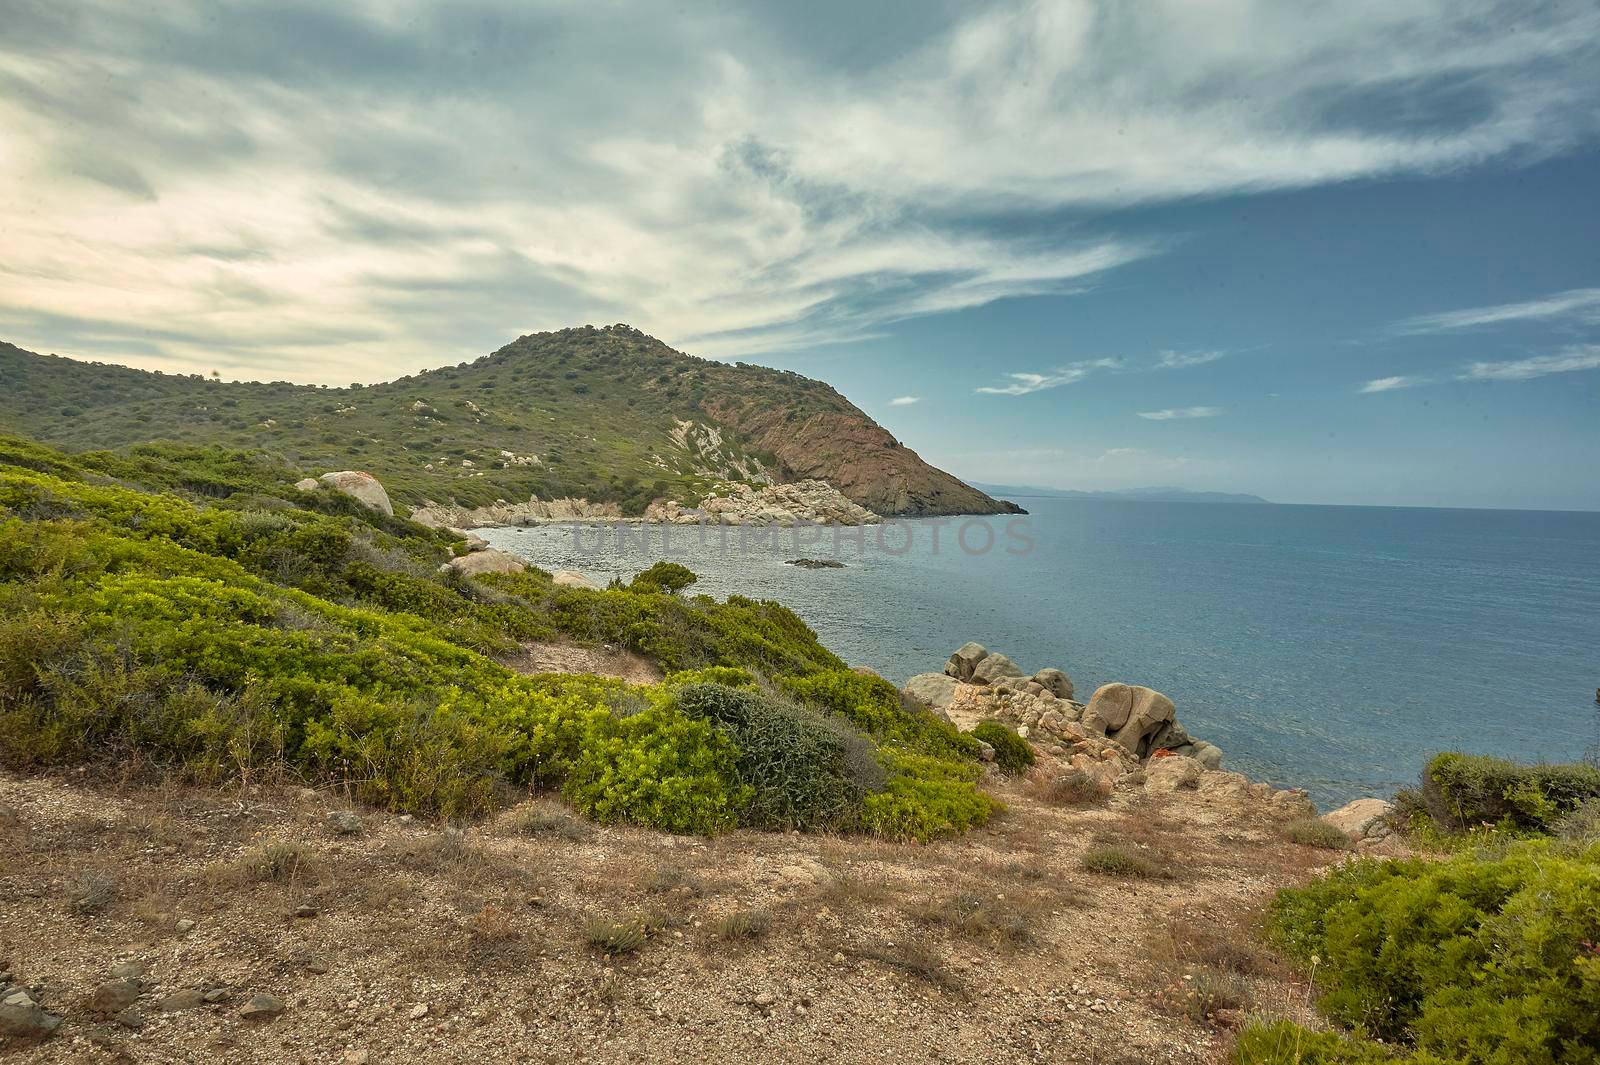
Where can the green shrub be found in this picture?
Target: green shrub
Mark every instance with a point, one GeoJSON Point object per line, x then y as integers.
{"type": "Point", "coordinates": [669, 577]}
{"type": "Point", "coordinates": [926, 797]}
{"type": "Point", "coordinates": [1286, 1043]}
{"type": "Point", "coordinates": [1112, 860]}
{"type": "Point", "coordinates": [875, 706]}
{"type": "Point", "coordinates": [1012, 753]}
{"type": "Point", "coordinates": [802, 770]}
{"type": "Point", "coordinates": [1474, 959]}
{"type": "Point", "coordinates": [1462, 791]}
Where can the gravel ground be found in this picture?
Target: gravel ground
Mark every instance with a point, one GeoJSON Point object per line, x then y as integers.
{"type": "Point", "coordinates": [282, 924]}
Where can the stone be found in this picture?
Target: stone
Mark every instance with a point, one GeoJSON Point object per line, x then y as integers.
{"type": "Point", "coordinates": [131, 1019]}
{"type": "Point", "coordinates": [114, 996]}
{"type": "Point", "coordinates": [1055, 682]}
{"type": "Point", "coordinates": [487, 561]}
{"type": "Point", "coordinates": [965, 660]}
{"type": "Point", "coordinates": [475, 543]}
{"type": "Point", "coordinates": [362, 487]}
{"type": "Point", "coordinates": [262, 1007]}
{"type": "Point", "coordinates": [1361, 818]}
{"type": "Point", "coordinates": [305, 911]}
{"type": "Point", "coordinates": [936, 690]}
{"type": "Point", "coordinates": [344, 823]}
{"type": "Point", "coordinates": [308, 484]}
{"type": "Point", "coordinates": [419, 1011]}
{"type": "Point", "coordinates": [187, 999]}
{"type": "Point", "coordinates": [128, 970]}
{"type": "Point", "coordinates": [1208, 755]}
{"type": "Point", "coordinates": [1130, 714]}
{"type": "Point", "coordinates": [1172, 774]}
{"type": "Point", "coordinates": [985, 751]}
{"type": "Point", "coordinates": [184, 925]}
{"type": "Point", "coordinates": [571, 578]}
{"type": "Point", "coordinates": [1169, 737]}
{"type": "Point", "coordinates": [22, 1018]}
{"type": "Point", "coordinates": [993, 667]}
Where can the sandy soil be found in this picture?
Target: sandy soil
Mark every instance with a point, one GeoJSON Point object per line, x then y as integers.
{"type": "Point", "coordinates": [410, 942]}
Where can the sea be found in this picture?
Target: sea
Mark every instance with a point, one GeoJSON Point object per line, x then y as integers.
{"type": "Point", "coordinates": [1328, 648]}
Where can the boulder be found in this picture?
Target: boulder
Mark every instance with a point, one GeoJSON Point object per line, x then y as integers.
{"type": "Point", "coordinates": [363, 487]}
{"type": "Point", "coordinates": [571, 578]}
{"type": "Point", "coordinates": [1361, 819]}
{"type": "Point", "coordinates": [1171, 736]}
{"type": "Point", "coordinates": [308, 484]}
{"type": "Point", "coordinates": [965, 660]}
{"type": "Point", "coordinates": [1208, 755]}
{"type": "Point", "coordinates": [934, 689]}
{"type": "Point", "coordinates": [114, 996]}
{"type": "Point", "coordinates": [1130, 714]}
{"type": "Point", "coordinates": [488, 561]}
{"type": "Point", "coordinates": [22, 1018]}
{"type": "Point", "coordinates": [994, 667]}
{"type": "Point", "coordinates": [1055, 682]}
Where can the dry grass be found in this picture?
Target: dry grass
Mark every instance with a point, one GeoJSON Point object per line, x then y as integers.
{"type": "Point", "coordinates": [1315, 832]}
{"type": "Point", "coordinates": [614, 937]}
{"type": "Point", "coordinates": [551, 820]}
{"type": "Point", "coordinates": [1113, 860]}
{"type": "Point", "coordinates": [983, 915]}
{"type": "Point", "coordinates": [93, 892]}
{"type": "Point", "coordinates": [1203, 994]}
{"type": "Point", "coordinates": [1072, 788]}
{"type": "Point", "coordinates": [915, 958]}
{"type": "Point", "coordinates": [742, 926]}
{"type": "Point", "coordinates": [280, 862]}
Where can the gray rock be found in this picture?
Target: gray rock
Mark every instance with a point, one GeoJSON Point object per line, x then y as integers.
{"type": "Point", "coordinates": [1362, 818]}
{"type": "Point", "coordinates": [1055, 682]}
{"type": "Point", "coordinates": [1129, 714]}
{"type": "Point", "coordinates": [128, 970]}
{"type": "Point", "coordinates": [965, 660]}
{"type": "Point", "coordinates": [1208, 755]}
{"type": "Point", "coordinates": [362, 487]}
{"type": "Point", "coordinates": [985, 751]}
{"type": "Point", "coordinates": [308, 484]}
{"type": "Point", "coordinates": [487, 561]}
{"type": "Point", "coordinates": [932, 689]}
{"type": "Point", "coordinates": [130, 1018]}
{"type": "Point", "coordinates": [184, 926]}
{"type": "Point", "coordinates": [305, 911]}
{"type": "Point", "coordinates": [22, 1018]}
{"type": "Point", "coordinates": [993, 667]}
{"type": "Point", "coordinates": [262, 1007]}
{"type": "Point", "coordinates": [187, 999]}
{"type": "Point", "coordinates": [114, 996]}
{"type": "Point", "coordinates": [344, 823]}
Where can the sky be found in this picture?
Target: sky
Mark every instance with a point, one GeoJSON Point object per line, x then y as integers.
{"type": "Point", "coordinates": [1332, 253]}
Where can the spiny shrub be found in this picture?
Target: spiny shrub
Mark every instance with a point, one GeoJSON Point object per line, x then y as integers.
{"type": "Point", "coordinates": [1111, 860]}
{"type": "Point", "coordinates": [874, 706]}
{"type": "Point", "coordinates": [1492, 960]}
{"type": "Point", "coordinates": [802, 770]}
{"type": "Point", "coordinates": [1315, 832]}
{"type": "Point", "coordinates": [614, 937]}
{"type": "Point", "coordinates": [1463, 791]}
{"type": "Point", "coordinates": [1012, 753]}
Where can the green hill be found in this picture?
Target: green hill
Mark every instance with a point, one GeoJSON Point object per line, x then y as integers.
{"type": "Point", "coordinates": [607, 414]}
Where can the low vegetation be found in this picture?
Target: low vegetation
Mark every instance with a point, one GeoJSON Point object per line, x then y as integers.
{"type": "Point", "coordinates": [1487, 955]}
{"type": "Point", "coordinates": [1012, 753]}
{"type": "Point", "coordinates": [188, 609]}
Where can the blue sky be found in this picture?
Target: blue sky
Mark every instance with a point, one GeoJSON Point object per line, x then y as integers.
{"type": "Point", "coordinates": [1320, 252]}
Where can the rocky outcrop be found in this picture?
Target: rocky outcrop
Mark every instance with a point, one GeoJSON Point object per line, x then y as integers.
{"type": "Point", "coordinates": [809, 501]}
{"type": "Point", "coordinates": [362, 487]}
{"type": "Point", "coordinates": [534, 512]}
{"type": "Point", "coordinates": [486, 561]}
{"type": "Point", "coordinates": [1365, 822]}
{"type": "Point", "coordinates": [933, 690]}
{"type": "Point", "coordinates": [571, 578]}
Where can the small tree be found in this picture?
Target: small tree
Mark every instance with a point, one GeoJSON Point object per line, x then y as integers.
{"type": "Point", "coordinates": [667, 577]}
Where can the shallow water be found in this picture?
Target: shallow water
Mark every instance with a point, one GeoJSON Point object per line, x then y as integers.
{"type": "Point", "coordinates": [1331, 648]}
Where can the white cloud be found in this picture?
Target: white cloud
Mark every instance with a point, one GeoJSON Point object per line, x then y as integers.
{"type": "Point", "coordinates": [374, 188]}
{"type": "Point", "coordinates": [1178, 360]}
{"type": "Point", "coordinates": [1579, 304]}
{"type": "Point", "coordinates": [1023, 384]}
{"type": "Point", "coordinates": [1569, 360]}
{"type": "Point", "coordinates": [1390, 384]}
{"type": "Point", "coordinates": [904, 401]}
{"type": "Point", "coordinates": [1182, 412]}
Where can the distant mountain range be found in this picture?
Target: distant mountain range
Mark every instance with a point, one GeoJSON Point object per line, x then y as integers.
{"type": "Point", "coordinates": [604, 413]}
{"type": "Point", "coordinates": [1142, 495]}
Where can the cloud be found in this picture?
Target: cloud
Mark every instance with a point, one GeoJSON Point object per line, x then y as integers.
{"type": "Point", "coordinates": [1569, 360]}
{"type": "Point", "coordinates": [373, 188]}
{"type": "Point", "coordinates": [1177, 360]}
{"type": "Point", "coordinates": [904, 401]}
{"type": "Point", "coordinates": [1580, 305]}
{"type": "Point", "coordinates": [1390, 384]}
{"type": "Point", "coordinates": [1023, 384]}
{"type": "Point", "coordinates": [1182, 412]}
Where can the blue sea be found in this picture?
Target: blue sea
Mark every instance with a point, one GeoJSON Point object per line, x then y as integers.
{"type": "Point", "coordinates": [1330, 648]}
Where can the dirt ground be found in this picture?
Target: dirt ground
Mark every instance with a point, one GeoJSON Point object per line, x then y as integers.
{"type": "Point", "coordinates": [539, 937]}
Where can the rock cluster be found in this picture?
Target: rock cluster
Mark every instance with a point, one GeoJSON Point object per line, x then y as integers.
{"type": "Point", "coordinates": [1122, 729]}
{"type": "Point", "coordinates": [794, 503]}
{"type": "Point", "coordinates": [534, 512]}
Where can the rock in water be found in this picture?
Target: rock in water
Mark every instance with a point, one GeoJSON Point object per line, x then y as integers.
{"type": "Point", "coordinates": [490, 561]}
{"type": "Point", "coordinates": [1055, 682]}
{"type": "Point", "coordinates": [993, 667]}
{"type": "Point", "coordinates": [362, 487]}
{"type": "Point", "coordinates": [1361, 818]}
{"type": "Point", "coordinates": [1130, 714]}
{"type": "Point", "coordinates": [965, 660]}
{"type": "Point", "coordinates": [934, 689]}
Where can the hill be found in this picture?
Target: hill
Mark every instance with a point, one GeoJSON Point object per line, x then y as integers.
{"type": "Point", "coordinates": [607, 414]}
{"type": "Point", "coordinates": [1142, 495]}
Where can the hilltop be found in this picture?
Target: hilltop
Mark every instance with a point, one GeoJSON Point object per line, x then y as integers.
{"type": "Point", "coordinates": [605, 414]}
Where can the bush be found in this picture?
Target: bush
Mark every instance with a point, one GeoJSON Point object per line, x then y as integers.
{"type": "Point", "coordinates": [927, 797]}
{"type": "Point", "coordinates": [1286, 1043]}
{"type": "Point", "coordinates": [669, 577]}
{"type": "Point", "coordinates": [1012, 753]}
{"type": "Point", "coordinates": [1474, 959]}
{"type": "Point", "coordinates": [1315, 832]}
{"type": "Point", "coordinates": [1111, 860]}
{"type": "Point", "coordinates": [874, 706]}
{"type": "Point", "coordinates": [1462, 791]}
{"type": "Point", "coordinates": [802, 771]}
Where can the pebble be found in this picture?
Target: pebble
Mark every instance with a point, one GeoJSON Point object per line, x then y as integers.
{"type": "Point", "coordinates": [419, 1011]}
{"type": "Point", "coordinates": [184, 926]}
{"type": "Point", "coordinates": [262, 1007]}
{"type": "Point", "coordinates": [305, 911]}
{"type": "Point", "coordinates": [187, 999]}
{"type": "Point", "coordinates": [114, 996]}
{"type": "Point", "coordinates": [345, 823]}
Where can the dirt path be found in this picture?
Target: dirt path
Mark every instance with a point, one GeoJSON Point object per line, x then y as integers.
{"type": "Point", "coordinates": [414, 943]}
